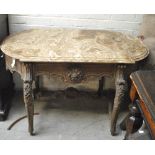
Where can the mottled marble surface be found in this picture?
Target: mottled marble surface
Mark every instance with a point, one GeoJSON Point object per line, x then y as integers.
{"type": "Point", "coordinates": [74, 45]}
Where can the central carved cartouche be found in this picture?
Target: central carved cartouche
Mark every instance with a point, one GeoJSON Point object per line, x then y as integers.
{"type": "Point", "coordinates": [75, 74]}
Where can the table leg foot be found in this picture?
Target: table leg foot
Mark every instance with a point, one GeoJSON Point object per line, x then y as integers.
{"type": "Point", "coordinates": [29, 104]}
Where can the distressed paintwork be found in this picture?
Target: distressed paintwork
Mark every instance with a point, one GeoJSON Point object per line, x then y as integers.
{"type": "Point", "coordinates": [74, 45]}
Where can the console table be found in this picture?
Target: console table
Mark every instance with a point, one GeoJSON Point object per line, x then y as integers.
{"type": "Point", "coordinates": [76, 55]}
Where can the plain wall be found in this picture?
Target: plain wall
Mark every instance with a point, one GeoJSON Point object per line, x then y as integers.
{"type": "Point", "coordinates": [147, 29]}
{"type": "Point", "coordinates": [3, 26]}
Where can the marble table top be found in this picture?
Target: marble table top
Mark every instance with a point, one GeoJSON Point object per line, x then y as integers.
{"type": "Point", "coordinates": [74, 45]}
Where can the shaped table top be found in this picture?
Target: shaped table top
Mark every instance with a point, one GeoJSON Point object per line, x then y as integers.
{"type": "Point", "coordinates": [74, 45]}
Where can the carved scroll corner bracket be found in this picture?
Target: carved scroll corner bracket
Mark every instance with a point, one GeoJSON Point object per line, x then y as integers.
{"type": "Point", "coordinates": [75, 74]}
{"type": "Point", "coordinates": [120, 80]}
{"type": "Point", "coordinates": [26, 73]}
{"type": "Point", "coordinates": [11, 67]}
{"type": "Point", "coordinates": [120, 70]}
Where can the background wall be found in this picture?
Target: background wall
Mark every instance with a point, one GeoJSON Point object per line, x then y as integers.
{"type": "Point", "coordinates": [147, 29]}
{"type": "Point", "coordinates": [128, 23]}
{"type": "Point", "coordinates": [3, 26]}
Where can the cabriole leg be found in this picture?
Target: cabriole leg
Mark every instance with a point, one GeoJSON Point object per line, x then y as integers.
{"type": "Point", "coordinates": [120, 85]}
{"type": "Point", "coordinates": [29, 104]}
{"type": "Point", "coordinates": [28, 95]}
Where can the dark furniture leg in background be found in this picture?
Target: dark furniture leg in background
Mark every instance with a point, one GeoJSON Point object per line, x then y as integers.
{"type": "Point", "coordinates": [36, 91]}
{"type": "Point", "coordinates": [101, 84]}
{"type": "Point", "coordinates": [129, 126]}
{"type": "Point", "coordinates": [134, 121]}
{"type": "Point", "coordinates": [123, 123]}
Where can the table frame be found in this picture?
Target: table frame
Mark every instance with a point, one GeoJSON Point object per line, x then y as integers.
{"type": "Point", "coordinates": [70, 72]}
